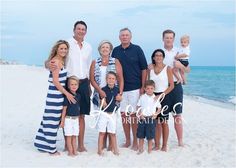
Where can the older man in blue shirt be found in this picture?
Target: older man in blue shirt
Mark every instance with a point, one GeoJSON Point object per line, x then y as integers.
{"type": "Point", "coordinates": [134, 67]}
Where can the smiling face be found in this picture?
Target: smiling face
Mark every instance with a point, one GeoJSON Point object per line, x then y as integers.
{"type": "Point", "coordinates": [184, 42]}
{"type": "Point", "coordinates": [149, 89]}
{"type": "Point", "coordinates": [80, 31]}
{"type": "Point", "coordinates": [125, 37]}
{"type": "Point", "coordinates": [158, 57]}
{"type": "Point", "coordinates": [168, 40]}
{"type": "Point", "coordinates": [62, 50]}
{"type": "Point", "coordinates": [73, 85]}
{"type": "Point", "coordinates": [111, 79]}
{"type": "Point", "coordinates": [105, 49]}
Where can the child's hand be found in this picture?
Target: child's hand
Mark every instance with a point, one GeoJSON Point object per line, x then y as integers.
{"type": "Point", "coordinates": [156, 97]}
{"type": "Point", "coordinates": [62, 124]}
{"type": "Point", "coordinates": [104, 103]}
{"type": "Point", "coordinates": [118, 97]}
{"type": "Point", "coordinates": [154, 116]}
{"type": "Point", "coordinates": [177, 55]}
{"type": "Point", "coordinates": [140, 115]}
{"type": "Point", "coordinates": [156, 113]}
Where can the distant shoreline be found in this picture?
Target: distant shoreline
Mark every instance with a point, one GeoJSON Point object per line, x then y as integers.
{"type": "Point", "coordinates": [224, 104]}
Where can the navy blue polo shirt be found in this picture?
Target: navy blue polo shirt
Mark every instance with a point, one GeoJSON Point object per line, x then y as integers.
{"type": "Point", "coordinates": [133, 61]}
{"type": "Point", "coordinates": [111, 93]}
{"type": "Point", "coordinates": [72, 109]}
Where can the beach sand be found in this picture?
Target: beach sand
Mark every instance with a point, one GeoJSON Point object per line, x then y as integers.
{"type": "Point", "coordinates": [209, 131]}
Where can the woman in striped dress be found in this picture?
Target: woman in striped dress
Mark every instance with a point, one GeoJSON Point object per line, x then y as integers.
{"type": "Point", "coordinates": [46, 136]}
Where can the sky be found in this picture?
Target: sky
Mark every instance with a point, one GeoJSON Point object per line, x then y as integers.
{"type": "Point", "coordinates": [30, 28]}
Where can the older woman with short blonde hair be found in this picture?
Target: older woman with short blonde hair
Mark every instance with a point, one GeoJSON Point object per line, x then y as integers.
{"type": "Point", "coordinates": [100, 67]}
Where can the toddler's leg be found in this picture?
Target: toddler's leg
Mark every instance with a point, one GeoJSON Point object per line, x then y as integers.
{"type": "Point", "coordinates": [100, 142]}
{"type": "Point", "coordinates": [140, 146]}
{"type": "Point", "coordinates": [114, 144]}
{"type": "Point", "coordinates": [110, 143]}
{"type": "Point", "coordinates": [105, 141]}
{"type": "Point", "coordinates": [69, 145]}
{"type": "Point", "coordinates": [150, 146]}
{"type": "Point", "coordinates": [65, 148]}
{"type": "Point", "coordinates": [74, 146]}
{"type": "Point", "coordinates": [182, 74]}
{"type": "Point", "coordinates": [177, 75]}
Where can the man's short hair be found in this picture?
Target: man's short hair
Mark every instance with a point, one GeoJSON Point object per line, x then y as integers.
{"type": "Point", "coordinates": [80, 22]}
{"type": "Point", "coordinates": [167, 32]}
{"type": "Point", "coordinates": [124, 29]}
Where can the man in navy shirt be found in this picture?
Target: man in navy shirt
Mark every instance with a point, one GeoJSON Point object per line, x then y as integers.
{"type": "Point", "coordinates": [134, 67]}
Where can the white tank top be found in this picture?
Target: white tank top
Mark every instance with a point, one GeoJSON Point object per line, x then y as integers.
{"type": "Point", "coordinates": [103, 76]}
{"type": "Point", "coordinates": [161, 80]}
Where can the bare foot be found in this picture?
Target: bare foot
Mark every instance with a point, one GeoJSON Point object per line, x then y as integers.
{"type": "Point", "coordinates": [109, 148]}
{"type": "Point", "coordinates": [82, 149]}
{"type": "Point", "coordinates": [71, 154]}
{"type": "Point", "coordinates": [181, 144]}
{"type": "Point", "coordinates": [75, 153]}
{"type": "Point", "coordinates": [116, 153]}
{"type": "Point", "coordinates": [140, 152]}
{"type": "Point", "coordinates": [134, 147]}
{"type": "Point", "coordinates": [149, 151]}
{"type": "Point", "coordinates": [156, 148]}
{"type": "Point", "coordinates": [100, 153]}
{"type": "Point", "coordinates": [55, 154]}
{"type": "Point", "coordinates": [125, 145]}
{"type": "Point", "coordinates": [164, 148]}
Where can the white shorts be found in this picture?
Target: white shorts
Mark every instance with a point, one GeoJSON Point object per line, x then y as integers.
{"type": "Point", "coordinates": [107, 123]}
{"type": "Point", "coordinates": [71, 127]}
{"type": "Point", "coordinates": [129, 98]}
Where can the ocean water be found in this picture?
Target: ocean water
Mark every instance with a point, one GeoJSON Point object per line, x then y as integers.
{"type": "Point", "coordinates": [212, 82]}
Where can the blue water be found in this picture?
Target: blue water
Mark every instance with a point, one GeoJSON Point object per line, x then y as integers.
{"type": "Point", "coordinates": [212, 82]}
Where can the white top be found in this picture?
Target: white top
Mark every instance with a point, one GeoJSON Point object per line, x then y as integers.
{"type": "Point", "coordinates": [103, 70]}
{"type": "Point", "coordinates": [79, 59]}
{"type": "Point", "coordinates": [161, 80]}
{"type": "Point", "coordinates": [185, 50]}
{"type": "Point", "coordinates": [170, 57]}
{"type": "Point", "coordinates": [148, 104]}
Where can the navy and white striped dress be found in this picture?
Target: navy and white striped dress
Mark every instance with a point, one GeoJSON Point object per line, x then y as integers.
{"type": "Point", "coordinates": [46, 136]}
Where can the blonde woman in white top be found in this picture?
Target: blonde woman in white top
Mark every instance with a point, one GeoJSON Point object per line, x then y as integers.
{"type": "Point", "coordinates": [162, 75]}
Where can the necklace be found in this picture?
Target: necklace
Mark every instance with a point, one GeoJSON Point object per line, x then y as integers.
{"type": "Point", "coordinates": [105, 60]}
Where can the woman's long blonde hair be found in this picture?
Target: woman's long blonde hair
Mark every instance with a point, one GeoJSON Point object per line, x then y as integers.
{"type": "Point", "coordinates": [53, 52]}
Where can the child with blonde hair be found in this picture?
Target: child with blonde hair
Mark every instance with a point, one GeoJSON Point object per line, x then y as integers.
{"type": "Point", "coordinates": [70, 117]}
{"type": "Point", "coordinates": [183, 57]}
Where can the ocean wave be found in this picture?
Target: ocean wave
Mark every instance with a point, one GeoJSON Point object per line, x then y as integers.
{"type": "Point", "coordinates": [224, 104]}
{"type": "Point", "coordinates": [232, 99]}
